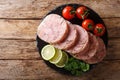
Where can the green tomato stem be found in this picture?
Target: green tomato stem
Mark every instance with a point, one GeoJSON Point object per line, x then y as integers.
{"type": "Point", "coordinates": [72, 11]}
{"type": "Point", "coordinates": [99, 30]}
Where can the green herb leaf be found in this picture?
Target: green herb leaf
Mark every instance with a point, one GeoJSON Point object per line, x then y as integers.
{"type": "Point", "coordinates": [76, 67]}
{"type": "Point", "coordinates": [86, 67]}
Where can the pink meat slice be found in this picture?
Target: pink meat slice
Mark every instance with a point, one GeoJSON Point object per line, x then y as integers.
{"type": "Point", "coordinates": [53, 29]}
{"type": "Point", "coordinates": [82, 42]}
{"type": "Point", "coordinates": [70, 40]}
{"type": "Point", "coordinates": [93, 46]}
{"type": "Point", "coordinates": [100, 54]}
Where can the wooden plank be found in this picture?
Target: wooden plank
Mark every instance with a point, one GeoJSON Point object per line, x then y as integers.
{"type": "Point", "coordinates": [113, 45]}
{"type": "Point", "coordinates": [113, 27]}
{"type": "Point", "coordinates": [18, 49]}
{"type": "Point", "coordinates": [26, 49]}
{"type": "Point", "coordinates": [26, 29]}
{"type": "Point", "coordinates": [38, 8]}
{"type": "Point", "coordinates": [36, 69]}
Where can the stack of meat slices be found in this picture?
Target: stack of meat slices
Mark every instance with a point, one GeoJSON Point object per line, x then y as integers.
{"type": "Point", "coordinates": [71, 38]}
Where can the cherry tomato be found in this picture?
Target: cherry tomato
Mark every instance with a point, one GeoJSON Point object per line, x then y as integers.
{"type": "Point", "coordinates": [99, 29]}
{"type": "Point", "coordinates": [68, 12]}
{"type": "Point", "coordinates": [82, 12]}
{"type": "Point", "coordinates": [88, 24]}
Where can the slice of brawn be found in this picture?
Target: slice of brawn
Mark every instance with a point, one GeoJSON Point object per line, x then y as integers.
{"type": "Point", "coordinates": [82, 42]}
{"type": "Point", "coordinates": [70, 40]}
{"type": "Point", "coordinates": [93, 46]}
{"type": "Point", "coordinates": [53, 29]}
{"type": "Point", "coordinates": [100, 54]}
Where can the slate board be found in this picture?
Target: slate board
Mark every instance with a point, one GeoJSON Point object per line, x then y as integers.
{"type": "Point", "coordinates": [58, 10]}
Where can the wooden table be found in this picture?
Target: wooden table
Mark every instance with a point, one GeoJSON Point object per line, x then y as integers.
{"type": "Point", "coordinates": [19, 58]}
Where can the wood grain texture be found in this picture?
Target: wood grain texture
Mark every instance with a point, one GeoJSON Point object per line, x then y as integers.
{"type": "Point", "coordinates": [37, 8]}
{"type": "Point", "coordinates": [113, 27]}
{"type": "Point", "coordinates": [18, 29]}
{"type": "Point", "coordinates": [26, 29]}
{"type": "Point", "coordinates": [113, 45]}
{"type": "Point", "coordinates": [18, 49]}
{"type": "Point", "coordinates": [27, 49]}
{"type": "Point", "coordinates": [37, 69]}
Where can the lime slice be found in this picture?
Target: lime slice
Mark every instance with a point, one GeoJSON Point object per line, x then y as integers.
{"type": "Point", "coordinates": [63, 60]}
{"type": "Point", "coordinates": [57, 57]}
{"type": "Point", "coordinates": [48, 52]}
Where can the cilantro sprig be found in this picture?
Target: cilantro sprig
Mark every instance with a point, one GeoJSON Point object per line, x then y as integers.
{"type": "Point", "coordinates": [76, 67]}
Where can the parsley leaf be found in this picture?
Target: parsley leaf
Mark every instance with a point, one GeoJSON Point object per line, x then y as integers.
{"type": "Point", "coordinates": [76, 67]}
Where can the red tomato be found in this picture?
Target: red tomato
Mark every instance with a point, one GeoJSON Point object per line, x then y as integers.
{"type": "Point", "coordinates": [88, 24]}
{"type": "Point", "coordinates": [82, 12]}
{"type": "Point", "coordinates": [99, 29]}
{"type": "Point", "coordinates": [68, 12]}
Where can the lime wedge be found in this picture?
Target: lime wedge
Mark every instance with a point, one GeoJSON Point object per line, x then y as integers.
{"type": "Point", "coordinates": [57, 57]}
{"type": "Point", "coordinates": [63, 60]}
{"type": "Point", "coordinates": [48, 52]}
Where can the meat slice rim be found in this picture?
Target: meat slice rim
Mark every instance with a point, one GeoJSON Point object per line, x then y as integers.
{"type": "Point", "coordinates": [82, 42]}
{"type": "Point", "coordinates": [70, 40]}
{"type": "Point", "coordinates": [53, 29]}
